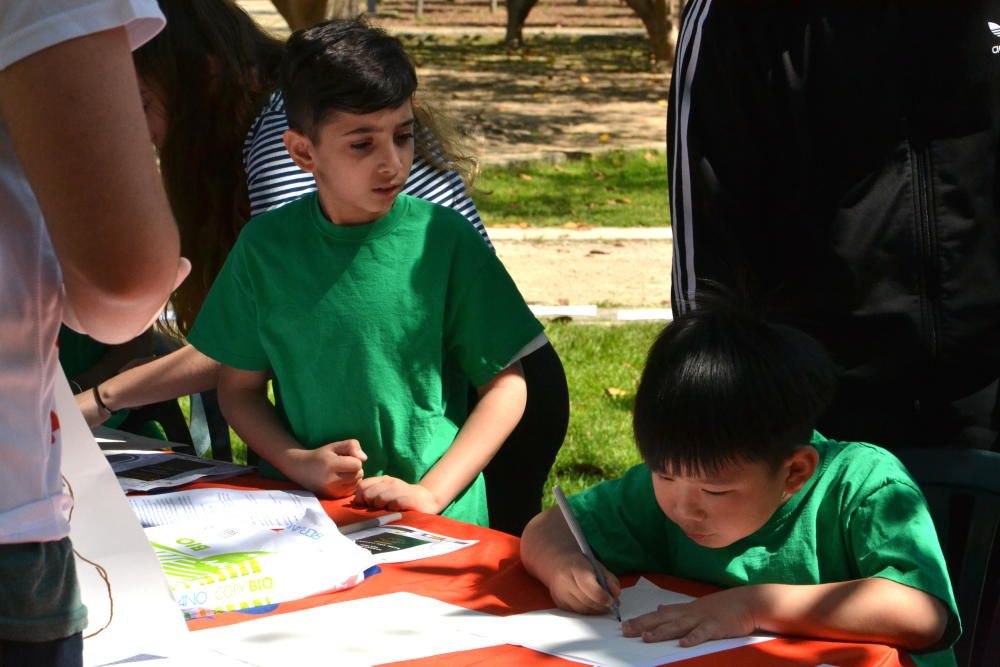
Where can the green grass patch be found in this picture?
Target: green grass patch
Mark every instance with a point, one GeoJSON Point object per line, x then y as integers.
{"type": "Point", "coordinates": [614, 189]}
{"type": "Point", "coordinates": [603, 364]}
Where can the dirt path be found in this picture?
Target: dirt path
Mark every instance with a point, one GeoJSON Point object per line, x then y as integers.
{"type": "Point", "coordinates": [609, 274]}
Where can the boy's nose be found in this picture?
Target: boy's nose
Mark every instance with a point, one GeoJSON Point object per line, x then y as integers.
{"type": "Point", "coordinates": [688, 508]}
{"type": "Point", "coordinates": [390, 162]}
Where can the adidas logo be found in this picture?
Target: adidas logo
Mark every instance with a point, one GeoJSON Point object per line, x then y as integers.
{"type": "Point", "coordinates": [995, 29]}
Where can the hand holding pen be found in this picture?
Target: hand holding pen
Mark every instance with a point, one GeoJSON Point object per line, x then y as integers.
{"type": "Point", "coordinates": [581, 540]}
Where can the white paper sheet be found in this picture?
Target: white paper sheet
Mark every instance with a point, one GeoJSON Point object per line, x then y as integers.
{"type": "Point", "coordinates": [241, 566]}
{"type": "Point", "coordinates": [104, 530]}
{"type": "Point", "coordinates": [597, 640]}
{"type": "Point", "coordinates": [399, 544]}
{"type": "Point", "coordinates": [221, 507]}
{"type": "Point", "coordinates": [375, 630]}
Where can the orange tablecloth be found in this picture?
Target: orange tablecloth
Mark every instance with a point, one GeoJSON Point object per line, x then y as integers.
{"type": "Point", "coordinates": [489, 577]}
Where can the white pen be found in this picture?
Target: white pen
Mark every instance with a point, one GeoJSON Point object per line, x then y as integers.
{"type": "Point", "coordinates": [370, 523]}
{"type": "Point", "coordinates": [574, 528]}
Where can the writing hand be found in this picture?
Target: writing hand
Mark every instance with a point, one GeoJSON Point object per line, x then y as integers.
{"type": "Point", "coordinates": [387, 492]}
{"type": "Point", "coordinates": [574, 586]}
{"type": "Point", "coordinates": [719, 615]}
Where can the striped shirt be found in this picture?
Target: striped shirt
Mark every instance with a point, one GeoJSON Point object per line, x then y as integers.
{"type": "Point", "coordinates": [274, 179]}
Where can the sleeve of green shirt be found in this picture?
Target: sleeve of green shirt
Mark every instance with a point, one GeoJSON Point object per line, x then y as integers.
{"type": "Point", "coordinates": [893, 537]}
{"type": "Point", "coordinates": [226, 326]}
{"type": "Point", "coordinates": [624, 525]}
{"type": "Point", "coordinates": [486, 319]}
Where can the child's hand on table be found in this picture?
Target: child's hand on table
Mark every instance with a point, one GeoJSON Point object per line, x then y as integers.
{"type": "Point", "coordinates": [574, 587]}
{"type": "Point", "coordinates": [728, 613]}
{"type": "Point", "coordinates": [386, 492]}
{"type": "Point", "coordinates": [332, 470]}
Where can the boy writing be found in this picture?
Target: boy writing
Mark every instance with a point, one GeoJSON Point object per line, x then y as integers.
{"type": "Point", "coordinates": [806, 536]}
{"type": "Point", "coordinates": [373, 310]}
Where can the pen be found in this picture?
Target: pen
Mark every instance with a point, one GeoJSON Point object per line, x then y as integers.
{"type": "Point", "coordinates": [574, 528]}
{"type": "Point", "coordinates": [370, 523]}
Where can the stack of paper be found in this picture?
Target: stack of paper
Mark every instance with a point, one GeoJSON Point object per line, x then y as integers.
{"type": "Point", "coordinates": [139, 470]}
{"type": "Point", "coordinates": [224, 550]}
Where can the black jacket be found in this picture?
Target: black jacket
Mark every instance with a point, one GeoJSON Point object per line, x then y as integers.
{"type": "Point", "coordinates": [839, 161]}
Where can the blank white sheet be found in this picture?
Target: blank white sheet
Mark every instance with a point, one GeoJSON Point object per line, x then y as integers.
{"type": "Point", "coordinates": [597, 640]}
{"type": "Point", "coordinates": [369, 631]}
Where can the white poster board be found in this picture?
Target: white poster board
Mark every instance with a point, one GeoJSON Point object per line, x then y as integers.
{"type": "Point", "coordinates": [104, 530]}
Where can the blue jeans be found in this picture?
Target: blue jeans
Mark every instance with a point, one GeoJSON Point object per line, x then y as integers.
{"type": "Point", "coordinates": [66, 652]}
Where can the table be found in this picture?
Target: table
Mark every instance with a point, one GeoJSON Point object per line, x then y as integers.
{"type": "Point", "coordinates": [489, 577]}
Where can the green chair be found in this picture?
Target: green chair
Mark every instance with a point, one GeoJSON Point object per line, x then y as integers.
{"type": "Point", "coordinates": [962, 488]}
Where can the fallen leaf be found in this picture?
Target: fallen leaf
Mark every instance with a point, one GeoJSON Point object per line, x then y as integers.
{"type": "Point", "coordinates": [584, 78]}
{"type": "Point", "coordinates": [523, 225]}
{"type": "Point", "coordinates": [625, 200]}
{"type": "Point", "coordinates": [661, 103]}
{"type": "Point", "coordinates": [648, 156]}
{"type": "Point", "coordinates": [526, 177]}
{"type": "Point", "coordinates": [615, 392]}
{"type": "Point", "coordinates": [611, 202]}
{"type": "Point", "coordinates": [604, 138]}
{"type": "Point", "coordinates": [562, 302]}
{"type": "Point", "coordinates": [597, 252]}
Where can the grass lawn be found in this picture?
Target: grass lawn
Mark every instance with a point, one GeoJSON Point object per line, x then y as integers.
{"type": "Point", "coordinates": [615, 189]}
{"type": "Point", "coordinates": [602, 365]}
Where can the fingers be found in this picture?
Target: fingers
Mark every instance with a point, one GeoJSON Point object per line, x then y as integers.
{"type": "Point", "coordinates": [183, 269]}
{"type": "Point", "coordinates": [350, 448]}
{"type": "Point", "coordinates": [382, 492]}
{"type": "Point", "coordinates": [702, 632]}
{"type": "Point", "coordinates": [663, 620]}
{"type": "Point", "coordinates": [577, 589]}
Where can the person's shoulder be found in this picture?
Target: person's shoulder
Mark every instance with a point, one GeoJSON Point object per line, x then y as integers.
{"type": "Point", "coordinates": [858, 469]}
{"type": "Point", "coordinates": [278, 223]}
{"type": "Point", "coordinates": [440, 221]}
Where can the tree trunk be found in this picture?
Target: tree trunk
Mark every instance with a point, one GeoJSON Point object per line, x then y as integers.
{"type": "Point", "coordinates": [655, 16]}
{"type": "Point", "coordinates": [344, 9]}
{"type": "Point", "coordinates": [517, 13]}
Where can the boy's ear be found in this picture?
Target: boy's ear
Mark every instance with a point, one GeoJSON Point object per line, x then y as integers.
{"type": "Point", "coordinates": [799, 468]}
{"type": "Point", "coordinates": [300, 147]}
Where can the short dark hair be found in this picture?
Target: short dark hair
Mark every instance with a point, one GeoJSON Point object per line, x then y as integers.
{"type": "Point", "coordinates": [722, 385]}
{"type": "Point", "coordinates": [343, 65]}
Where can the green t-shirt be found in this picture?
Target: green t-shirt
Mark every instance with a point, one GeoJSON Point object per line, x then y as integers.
{"type": "Point", "coordinates": [372, 331]}
{"type": "Point", "coordinates": [860, 515]}
{"type": "Point", "coordinates": [39, 593]}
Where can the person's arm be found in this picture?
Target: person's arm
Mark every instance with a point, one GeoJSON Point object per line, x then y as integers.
{"type": "Point", "coordinates": [75, 119]}
{"type": "Point", "coordinates": [501, 404]}
{"type": "Point", "coordinates": [551, 555]}
{"type": "Point", "coordinates": [115, 359]}
{"type": "Point", "coordinates": [181, 373]}
{"type": "Point", "coordinates": [866, 610]}
{"type": "Point", "coordinates": [332, 470]}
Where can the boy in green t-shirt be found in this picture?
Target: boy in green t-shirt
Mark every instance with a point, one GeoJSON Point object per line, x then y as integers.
{"type": "Point", "coordinates": [372, 310]}
{"type": "Point", "coordinates": [807, 536]}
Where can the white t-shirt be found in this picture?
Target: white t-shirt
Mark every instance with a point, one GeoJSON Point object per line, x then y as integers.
{"type": "Point", "coordinates": [33, 506]}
